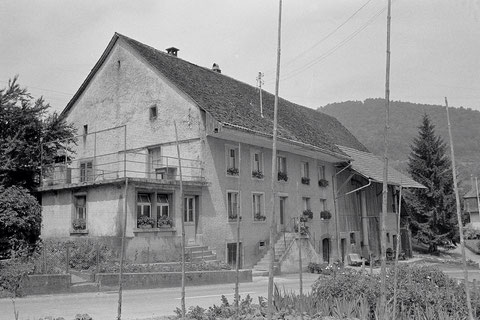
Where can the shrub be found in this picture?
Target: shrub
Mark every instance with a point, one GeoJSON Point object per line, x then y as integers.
{"type": "Point", "coordinates": [257, 174]}
{"type": "Point", "coordinates": [308, 213]}
{"type": "Point", "coordinates": [145, 222]}
{"type": "Point", "coordinates": [323, 183]}
{"type": "Point", "coordinates": [232, 171]}
{"type": "Point", "coordinates": [282, 176]}
{"type": "Point", "coordinates": [79, 224]}
{"type": "Point", "coordinates": [305, 180]}
{"type": "Point", "coordinates": [325, 214]}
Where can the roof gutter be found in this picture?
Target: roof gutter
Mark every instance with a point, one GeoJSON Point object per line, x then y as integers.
{"type": "Point", "coordinates": [302, 144]}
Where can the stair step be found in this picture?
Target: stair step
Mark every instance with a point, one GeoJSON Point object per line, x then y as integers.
{"type": "Point", "coordinates": [196, 254]}
{"type": "Point", "coordinates": [196, 248]}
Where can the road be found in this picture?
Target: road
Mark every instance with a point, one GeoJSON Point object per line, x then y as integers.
{"type": "Point", "coordinates": [141, 304]}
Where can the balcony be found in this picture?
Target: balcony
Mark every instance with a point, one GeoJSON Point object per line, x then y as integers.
{"type": "Point", "coordinates": [118, 165]}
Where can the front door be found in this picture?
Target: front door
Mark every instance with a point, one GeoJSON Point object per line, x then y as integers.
{"type": "Point", "coordinates": [283, 201]}
{"type": "Point", "coordinates": [232, 254]}
{"type": "Point", "coordinates": [343, 249]}
{"type": "Point", "coordinates": [326, 250]}
{"type": "Point", "coordinates": [189, 218]}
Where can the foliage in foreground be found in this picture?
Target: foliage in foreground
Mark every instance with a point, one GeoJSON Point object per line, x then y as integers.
{"type": "Point", "coordinates": [423, 293]}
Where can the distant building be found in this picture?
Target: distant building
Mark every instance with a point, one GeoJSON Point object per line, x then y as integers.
{"type": "Point", "coordinates": [126, 159]}
{"type": "Point", "coordinates": [471, 207]}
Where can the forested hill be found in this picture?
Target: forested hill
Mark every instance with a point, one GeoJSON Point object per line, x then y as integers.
{"type": "Point", "coordinates": [366, 120]}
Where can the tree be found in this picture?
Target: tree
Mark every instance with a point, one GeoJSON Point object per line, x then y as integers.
{"type": "Point", "coordinates": [433, 219]}
{"type": "Point", "coordinates": [20, 220]}
{"type": "Point", "coordinates": [24, 123]}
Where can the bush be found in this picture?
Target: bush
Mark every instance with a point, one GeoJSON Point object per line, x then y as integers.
{"type": "Point", "coordinates": [14, 271]}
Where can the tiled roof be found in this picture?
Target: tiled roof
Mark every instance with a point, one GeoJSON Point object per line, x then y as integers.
{"type": "Point", "coordinates": [371, 167]}
{"type": "Point", "coordinates": [470, 194]}
{"type": "Point", "coordinates": [234, 102]}
{"type": "Point", "coordinates": [230, 101]}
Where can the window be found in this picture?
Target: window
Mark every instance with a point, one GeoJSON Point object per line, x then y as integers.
{"type": "Point", "coordinates": [232, 161]}
{"type": "Point", "coordinates": [323, 205]}
{"type": "Point", "coordinates": [189, 209]}
{"type": "Point", "coordinates": [304, 168]}
{"type": "Point", "coordinates": [388, 237]}
{"type": "Point", "coordinates": [155, 158]}
{"type": "Point", "coordinates": [232, 254]}
{"type": "Point", "coordinates": [321, 172]}
{"type": "Point", "coordinates": [144, 205]}
{"type": "Point", "coordinates": [163, 206]}
{"type": "Point", "coordinates": [86, 171]}
{"type": "Point", "coordinates": [306, 204]}
{"type": "Point", "coordinates": [232, 205]}
{"type": "Point", "coordinates": [257, 204]}
{"type": "Point", "coordinates": [257, 164]}
{"type": "Point", "coordinates": [282, 164]}
{"type": "Point", "coordinates": [85, 129]}
{"type": "Point", "coordinates": [352, 238]}
{"type": "Point", "coordinates": [282, 207]}
{"type": "Point", "coordinates": [80, 219]}
{"type": "Point", "coordinates": [153, 112]}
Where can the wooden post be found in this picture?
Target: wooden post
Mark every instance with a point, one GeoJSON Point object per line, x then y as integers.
{"type": "Point", "coordinates": [459, 217]}
{"type": "Point", "coordinates": [237, 265]}
{"type": "Point", "coordinates": [124, 229]}
{"type": "Point", "coordinates": [182, 220]}
{"type": "Point", "coordinates": [67, 265]}
{"type": "Point", "coordinates": [397, 249]}
{"type": "Point", "coordinates": [383, 214]}
{"type": "Point", "coordinates": [274, 172]}
{"type": "Point", "coordinates": [97, 268]}
{"type": "Point", "coordinates": [300, 275]}
{"type": "Point", "coordinates": [478, 197]}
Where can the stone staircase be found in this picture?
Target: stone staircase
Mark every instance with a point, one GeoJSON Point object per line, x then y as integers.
{"type": "Point", "coordinates": [200, 253]}
{"type": "Point", "coordinates": [281, 245]}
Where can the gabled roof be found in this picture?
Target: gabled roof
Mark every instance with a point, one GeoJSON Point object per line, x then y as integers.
{"type": "Point", "coordinates": [470, 194]}
{"type": "Point", "coordinates": [371, 167]}
{"type": "Point", "coordinates": [232, 102]}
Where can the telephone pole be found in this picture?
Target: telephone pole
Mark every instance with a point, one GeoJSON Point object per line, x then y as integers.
{"type": "Point", "coordinates": [260, 82]}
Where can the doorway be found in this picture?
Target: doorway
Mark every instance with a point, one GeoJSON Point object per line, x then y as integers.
{"type": "Point", "coordinates": [343, 248]}
{"type": "Point", "coordinates": [283, 201]}
{"type": "Point", "coordinates": [326, 250]}
{"type": "Point", "coordinates": [232, 254]}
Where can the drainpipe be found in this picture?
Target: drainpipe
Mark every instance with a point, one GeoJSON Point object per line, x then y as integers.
{"type": "Point", "coordinates": [335, 207]}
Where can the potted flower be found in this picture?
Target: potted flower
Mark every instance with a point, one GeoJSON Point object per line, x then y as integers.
{"type": "Point", "coordinates": [308, 213]}
{"type": "Point", "coordinates": [305, 180]}
{"type": "Point", "coordinates": [232, 171]}
{"type": "Point", "coordinates": [323, 183]}
{"type": "Point", "coordinates": [164, 222]}
{"type": "Point", "coordinates": [257, 174]}
{"type": "Point", "coordinates": [233, 217]}
{"type": "Point", "coordinates": [282, 176]}
{"type": "Point", "coordinates": [325, 215]}
{"type": "Point", "coordinates": [145, 222]}
{"type": "Point", "coordinates": [259, 217]}
{"type": "Point", "coordinates": [79, 224]}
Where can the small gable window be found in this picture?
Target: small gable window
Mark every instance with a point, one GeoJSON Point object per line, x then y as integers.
{"type": "Point", "coordinates": [153, 112]}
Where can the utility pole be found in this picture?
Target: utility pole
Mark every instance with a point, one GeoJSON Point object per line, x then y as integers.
{"type": "Point", "coordinates": [237, 266]}
{"type": "Point", "coordinates": [260, 83]}
{"type": "Point", "coordinates": [478, 197]}
{"type": "Point", "coordinates": [459, 217]}
{"type": "Point", "coordinates": [397, 249]}
{"type": "Point", "coordinates": [383, 272]}
{"type": "Point", "coordinates": [274, 173]}
{"type": "Point", "coordinates": [182, 220]}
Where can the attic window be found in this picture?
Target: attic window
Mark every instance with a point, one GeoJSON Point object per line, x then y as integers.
{"type": "Point", "coordinates": [153, 112]}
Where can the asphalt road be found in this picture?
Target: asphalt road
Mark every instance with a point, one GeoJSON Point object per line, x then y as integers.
{"type": "Point", "coordinates": [140, 304]}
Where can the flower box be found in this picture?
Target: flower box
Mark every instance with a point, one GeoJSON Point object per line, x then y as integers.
{"type": "Point", "coordinates": [305, 180]}
{"type": "Point", "coordinates": [325, 215]}
{"type": "Point", "coordinates": [145, 222]}
{"type": "Point", "coordinates": [79, 224]}
{"type": "Point", "coordinates": [257, 174]}
{"type": "Point", "coordinates": [233, 218]}
{"type": "Point", "coordinates": [323, 183]}
{"type": "Point", "coordinates": [259, 217]}
{"type": "Point", "coordinates": [164, 222]}
{"type": "Point", "coordinates": [282, 176]}
{"type": "Point", "coordinates": [232, 171]}
{"type": "Point", "coordinates": [308, 213]}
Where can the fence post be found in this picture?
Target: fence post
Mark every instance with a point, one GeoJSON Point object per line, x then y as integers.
{"type": "Point", "coordinates": [97, 269]}
{"type": "Point", "coordinates": [67, 264]}
{"type": "Point", "coordinates": [148, 257]}
{"type": "Point", "coordinates": [44, 261]}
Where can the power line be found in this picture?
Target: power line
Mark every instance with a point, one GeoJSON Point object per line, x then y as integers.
{"type": "Point", "coordinates": [28, 86]}
{"type": "Point", "coordinates": [322, 57]}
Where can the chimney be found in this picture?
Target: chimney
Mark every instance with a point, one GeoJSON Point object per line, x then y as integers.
{"type": "Point", "coordinates": [216, 68]}
{"type": "Point", "coordinates": [172, 51]}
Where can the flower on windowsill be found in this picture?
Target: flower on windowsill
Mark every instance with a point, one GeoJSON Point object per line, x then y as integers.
{"type": "Point", "coordinates": [257, 174]}
{"type": "Point", "coordinates": [305, 180]}
{"type": "Point", "coordinates": [325, 215]}
{"type": "Point", "coordinates": [323, 183]}
{"type": "Point", "coordinates": [234, 217]}
{"type": "Point", "coordinates": [303, 219]}
{"type": "Point", "coordinates": [259, 217]}
{"type": "Point", "coordinates": [232, 171]}
{"type": "Point", "coordinates": [308, 213]}
{"type": "Point", "coordinates": [164, 222]}
{"type": "Point", "coordinates": [79, 224]}
{"type": "Point", "coordinates": [282, 176]}
{"type": "Point", "coordinates": [145, 222]}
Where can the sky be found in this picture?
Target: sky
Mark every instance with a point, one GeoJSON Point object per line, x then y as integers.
{"type": "Point", "coordinates": [331, 50]}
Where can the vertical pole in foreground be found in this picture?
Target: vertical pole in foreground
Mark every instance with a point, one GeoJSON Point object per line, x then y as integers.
{"type": "Point", "coordinates": [274, 173]}
{"type": "Point", "coordinates": [237, 258]}
{"type": "Point", "coordinates": [397, 249]}
{"type": "Point", "coordinates": [383, 214]}
{"type": "Point", "coordinates": [300, 276]}
{"type": "Point", "coordinates": [478, 197]}
{"type": "Point", "coordinates": [122, 252]}
{"type": "Point", "coordinates": [459, 217]}
{"type": "Point", "coordinates": [181, 219]}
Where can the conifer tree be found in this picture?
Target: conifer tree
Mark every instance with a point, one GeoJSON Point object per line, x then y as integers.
{"type": "Point", "coordinates": [432, 210]}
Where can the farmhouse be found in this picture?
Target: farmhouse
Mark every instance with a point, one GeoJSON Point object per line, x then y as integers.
{"type": "Point", "coordinates": [125, 163]}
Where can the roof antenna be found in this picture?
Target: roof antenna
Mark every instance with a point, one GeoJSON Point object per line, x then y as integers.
{"type": "Point", "coordinates": [259, 83]}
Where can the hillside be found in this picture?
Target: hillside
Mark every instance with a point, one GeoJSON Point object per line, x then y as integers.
{"type": "Point", "coordinates": [366, 120]}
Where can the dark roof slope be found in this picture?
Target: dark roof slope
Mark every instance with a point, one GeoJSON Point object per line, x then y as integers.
{"type": "Point", "coordinates": [231, 101]}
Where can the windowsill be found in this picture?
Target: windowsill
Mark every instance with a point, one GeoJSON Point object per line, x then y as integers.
{"type": "Point", "coordinates": [85, 231]}
{"type": "Point", "coordinates": [260, 221]}
{"type": "Point", "coordinates": [190, 223]}
{"type": "Point", "coordinates": [232, 175]}
{"type": "Point", "coordinates": [257, 179]}
{"type": "Point", "coordinates": [234, 221]}
{"type": "Point", "coordinates": [325, 220]}
{"type": "Point", "coordinates": [150, 230]}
